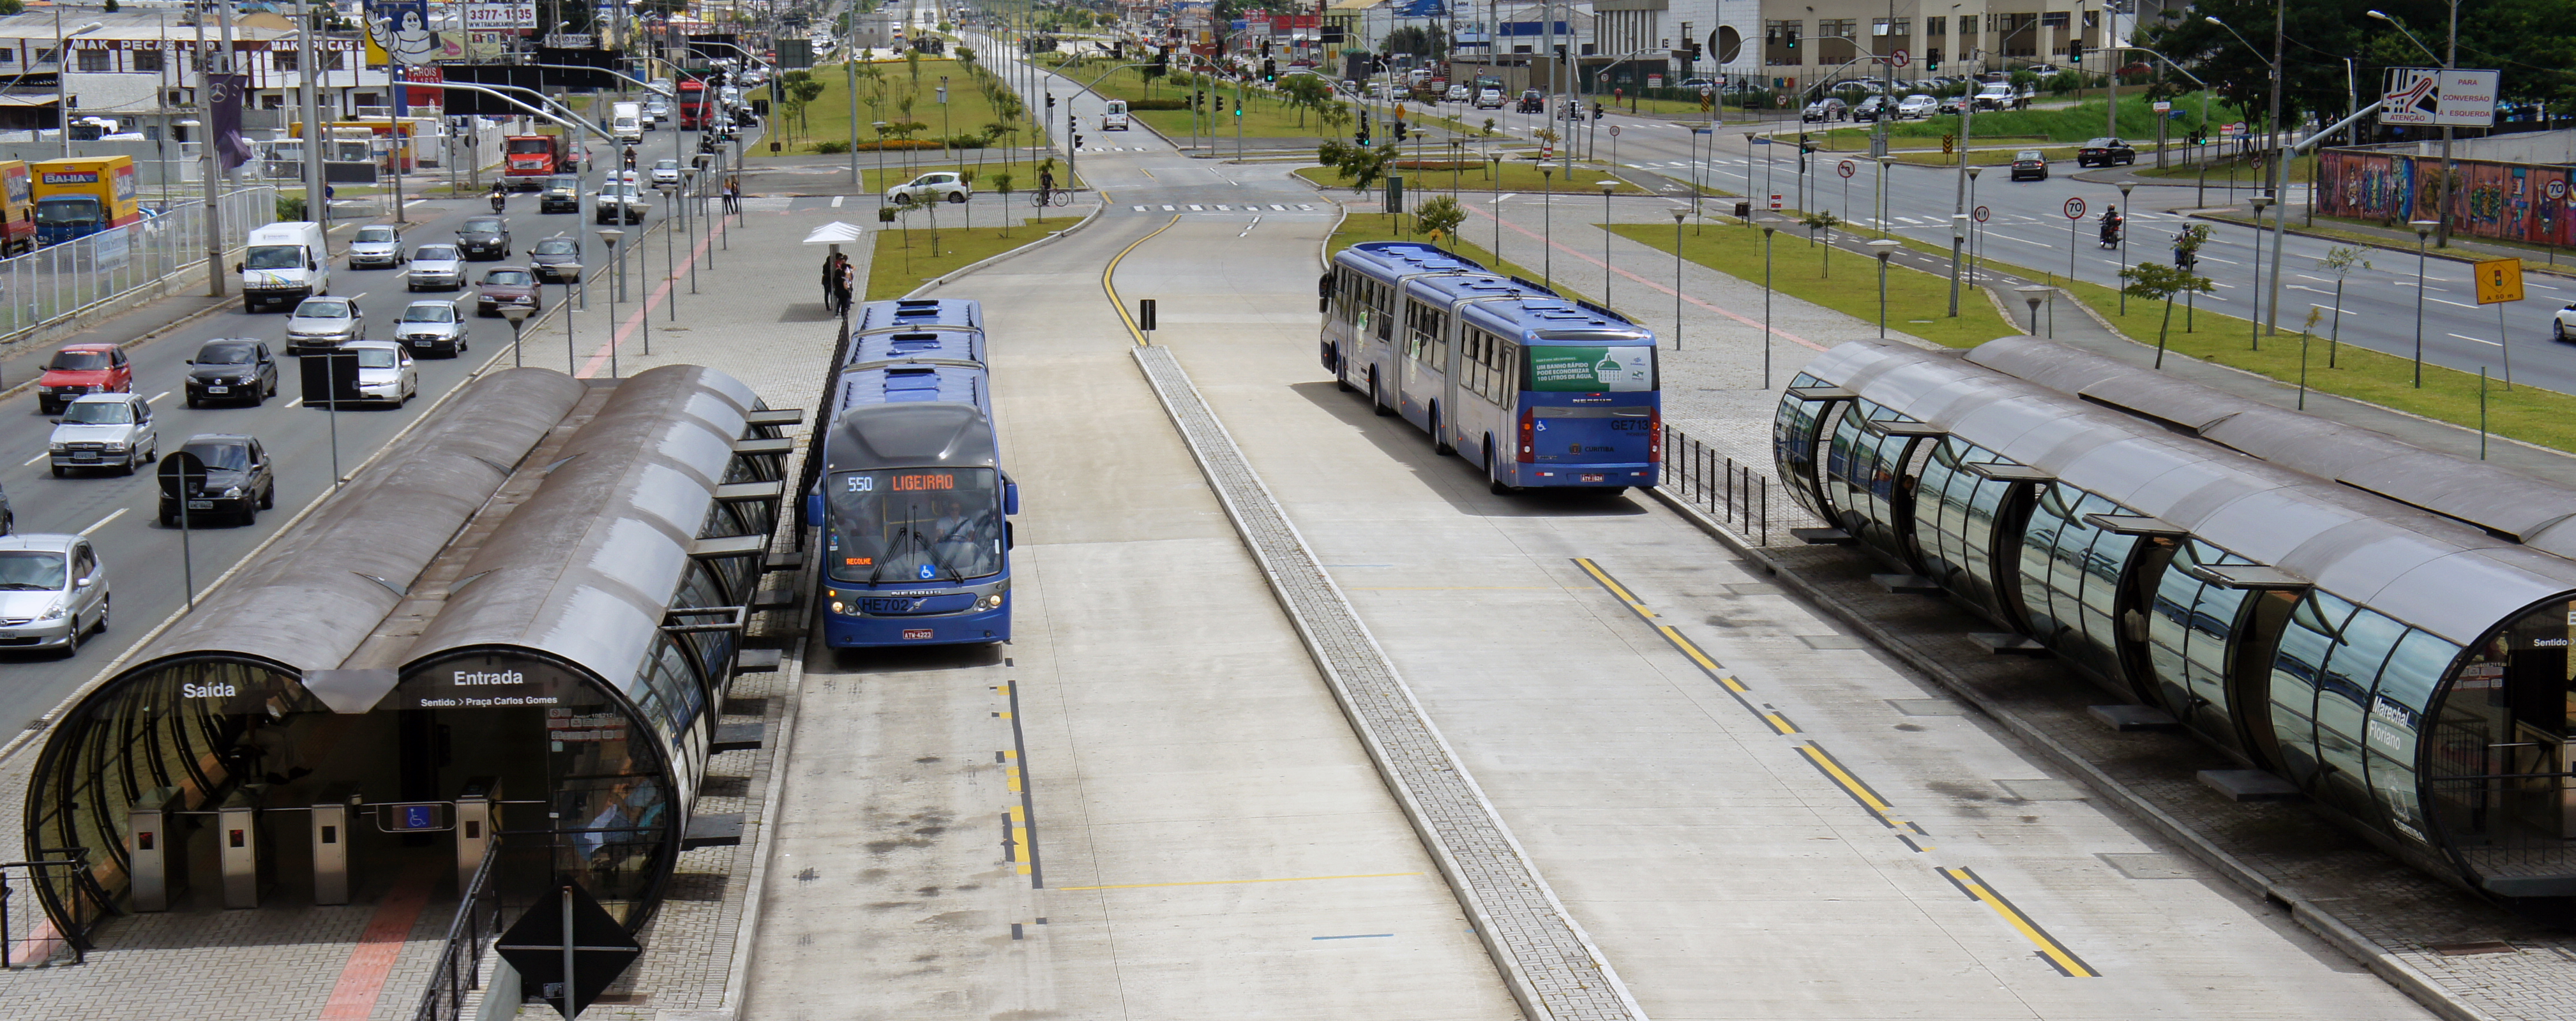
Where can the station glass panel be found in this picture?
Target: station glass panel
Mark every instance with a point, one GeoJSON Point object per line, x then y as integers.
{"type": "Point", "coordinates": [1954, 521]}
{"type": "Point", "coordinates": [1793, 446]}
{"type": "Point", "coordinates": [2305, 641]}
{"type": "Point", "coordinates": [2343, 697]}
{"type": "Point", "coordinates": [2500, 734]}
{"type": "Point", "coordinates": [2070, 576]}
{"type": "Point", "coordinates": [1865, 478]}
{"type": "Point", "coordinates": [2406, 686]}
{"type": "Point", "coordinates": [2189, 628]}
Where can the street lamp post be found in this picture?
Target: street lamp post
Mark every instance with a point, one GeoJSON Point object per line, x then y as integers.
{"type": "Point", "coordinates": [1606, 188]}
{"type": "Point", "coordinates": [517, 315]}
{"type": "Point", "coordinates": [62, 67]}
{"type": "Point", "coordinates": [1678, 214]}
{"type": "Point", "coordinates": [1882, 248]}
{"type": "Point", "coordinates": [1770, 225]}
{"type": "Point", "coordinates": [1547, 225]}
{"type": "Point", "coordinates": [2423, 233]}
{"type": "Point", "coordinates": [1494, 173]}
{"type": "Point", "coordinates": [2124, 246]}
{"type": "Point", "coordinates": [1971, 205]}
{"type": "Point", "coordinates": [2261, 202]}
{"type": "Point", "coordinates": [611, 237]}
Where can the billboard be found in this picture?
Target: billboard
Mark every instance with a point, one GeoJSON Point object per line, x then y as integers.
{"type": "Point", "coordinates": [399, 29]}
{"type": "Point", "coordinates": [2434, 97]}
{"type": "Point", "coordinates": [495, 17]}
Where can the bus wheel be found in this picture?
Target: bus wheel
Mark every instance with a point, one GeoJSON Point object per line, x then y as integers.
{"type": "Point", "coordinates": [1494, 471]}
{"type": "Point", "coordinates": [1439, 441]}
{"type": "Point", "coordinates": [1375, 405]}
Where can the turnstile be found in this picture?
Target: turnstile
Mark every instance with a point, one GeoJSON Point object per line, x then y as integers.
{"type": "Point", "coordinates": [157, 847]}
{"type": "Point", "coordinates": [478, 813]}
{"type": "Point", "coordinates": [331, 840]}
{"type": "Point", "coordinates": [238, 845]}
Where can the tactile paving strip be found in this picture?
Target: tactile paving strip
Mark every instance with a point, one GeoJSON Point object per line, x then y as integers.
{"type": "Point", "coordinates": [1550, 965]}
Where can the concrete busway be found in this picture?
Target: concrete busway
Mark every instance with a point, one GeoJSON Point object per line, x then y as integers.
{"type": "Point", "coordinates": [1706, 771]}
{"type": "Point", "coordinates": [505, 637]}
{"type": "Point", "coordinates": [117, 512]}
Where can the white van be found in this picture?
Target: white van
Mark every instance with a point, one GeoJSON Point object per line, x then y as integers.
{"type": "Point", "coordinates": [626, 121]}
{"type": "Point", "coordinates": [1113, 117]}
{"type": "Point", "coordinates": [285, 264]}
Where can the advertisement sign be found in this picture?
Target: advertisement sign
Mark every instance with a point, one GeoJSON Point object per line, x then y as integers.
{"type": "Point", "coordinates": [399, 30]}
{"type": "Point", "coordinates": [493, 17]}
{"type": "Point", "coordinates": [2431, 96]}
{"type": "Point", "coordinates": [1591, 369]}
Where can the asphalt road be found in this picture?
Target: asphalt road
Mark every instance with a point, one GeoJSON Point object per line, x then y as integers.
{"type": "Point", "coordinates": [146, 572]}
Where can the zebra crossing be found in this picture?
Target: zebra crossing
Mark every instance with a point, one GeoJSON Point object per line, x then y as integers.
{"type": "Point", "coordinates": [1231, 207]}
{"type": "Point", "coordinates": [1116, 148]}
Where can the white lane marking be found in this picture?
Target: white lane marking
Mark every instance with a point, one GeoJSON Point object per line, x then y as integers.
{"type": "Point", "coordinates": [1223, 209]}
{"type": "Point", "coordinates": [836, 201]}
{"type": "Point", "coordinates": [2480, 340]}
{"type": "Point", "coordinates": [2026, 241]}
{"type": "Point", "coordinates": [156, 398]}
{"type": "Point", "coordinates": [1196, 209]}
{"type": "Point", "coordinates": [295, 402]}
{"type": "Point", "coordinates": [1140, 209]}
{"type": "Point", "coordinates": [2448, 301]}
{"type": "Point", "coordinates": [2213, 258]}
{"type": "Point", "coordinates": [102, 522]}
{"type": "Point", "coordinates": [36, 458]}
{"type": "Point", "coordinates": [1247, 228]}
{"type": "Point", "coordinates": [1504, 197]}
{"type": "Point", "coordinates": [2544, 287]}
{"type": "Point", "coordinates": [1168, 209]}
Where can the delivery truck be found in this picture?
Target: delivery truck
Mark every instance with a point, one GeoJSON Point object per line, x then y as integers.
{"type": "Point", "coordinates": [76, 198]}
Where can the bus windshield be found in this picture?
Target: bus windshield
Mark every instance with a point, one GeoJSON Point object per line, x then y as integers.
{"type": "Point", "coordinates": [914, 525]}
{"type": "Point", "coordinates": [1591, 368]}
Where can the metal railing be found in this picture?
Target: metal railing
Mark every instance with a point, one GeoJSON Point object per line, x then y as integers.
{"type": "Point", "coordinates": [41, 943]}
{"type": "Point", "coordinates": [459, 970]}
{"type": "Point", "coordinates": [57, 282]}
{"type": "Point", "coordinates": [1736, 493]}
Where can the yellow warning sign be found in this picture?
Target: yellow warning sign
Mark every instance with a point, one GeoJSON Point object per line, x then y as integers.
{"type": "Point", "coordinates": [2499, 280]}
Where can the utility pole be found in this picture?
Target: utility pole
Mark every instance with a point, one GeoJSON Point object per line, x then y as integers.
{"type": "Point", "coordinates": [2450, 62]}
{"type": "Point", "coordinates": [2280, 172]}
{"type": "Point", "coordinates": [207, 69]}
{"type": "Point", "coordinates": [317, 205]}
{"type": "Point", "coordinates": [1958, 202]}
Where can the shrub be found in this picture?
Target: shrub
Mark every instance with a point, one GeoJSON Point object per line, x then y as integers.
{"type": "Point", "coordinates": [828, 148]}
{"type": "Point", "coordinates": [1158, 104]}
{"type": "Point", "coordinates": [290, 208]}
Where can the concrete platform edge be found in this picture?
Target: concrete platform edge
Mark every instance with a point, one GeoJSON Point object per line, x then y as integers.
{"type": "Point", "coordinates": [2415, 984]}
{"type": "Point", "coordinates": [747, 931]}
{"type": "Point", "coordinates": [1514, 978]}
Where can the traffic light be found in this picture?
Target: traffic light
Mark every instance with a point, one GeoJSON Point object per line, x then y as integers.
{"type": "Point", "coordinates": [1198, 101]}
{"type": "Point", "coordinates": [1077, 142]}
{"type": "Point", "coordinates": [1362, 136]}
{"type": "Point", "coordinates": [2074, 51]}
{"type": "Point", "coordinates": [1399, 131]}
{"type": "Point", "coordinates": [1596, 111]}
{"type": "Point", "coordinates": [1932, 63]}
{"type": "Point", "coordinates": [1269, 70]}
{"type": "Point", "coordinates": [1050, 104]}
{"type": "Point", "coordinates": [1692, 48]}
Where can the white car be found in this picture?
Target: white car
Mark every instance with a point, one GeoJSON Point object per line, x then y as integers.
{"type": "Point", "coordinates": [2563, 326]}
{"type": "Point", "coordinates": [377, 244]}
{"type": "Point", "coordinates": [618, 201]}
{"type": "Point", "coordinates": [1489, 99]}
{"type": "Point", "coordinates": [1113, 115]}
{"type": "Point", "coordinates": [1456, 94]}
{"type": "Point", "coordinates": [1918, 106]}
{"type": "Point", "coordinates": [53, 591]}
{"type": "Point", "coordinates": [428, 326]}
{"type": "Point", "coordinates": [944, 186]}
{"type": "Point", "coordinates": [385, 372]}
{"type": "Point", "coordinates": [439, 266]}
{"type": "Point", "coordinates": [104, 431]}
{"type": "Point", "coordinates": [666, 174]}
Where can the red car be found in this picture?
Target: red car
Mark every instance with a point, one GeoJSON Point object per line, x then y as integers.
{"type": "Point", "coordinates": [79, 369]}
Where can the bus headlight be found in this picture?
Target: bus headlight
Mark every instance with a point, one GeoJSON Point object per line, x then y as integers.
{"type": "Point", "coordinates": [990, 602]}
{"type": "Point", "coordinates": [838, 608]}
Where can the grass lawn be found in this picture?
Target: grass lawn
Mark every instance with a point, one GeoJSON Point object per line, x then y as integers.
{"type": "Point", "coordinates": [1265, 114]}
{"type": "Point", "coordinates": [882, 98]}
{"type": "Point", "coordinates": [1519, 176]}
{"type": "Point", "coordinates": [1917, 303]}
{"type": "Point", "coordinates": [2302, 170]}
{"type": "Point", "coordinates": [904, 259]}
{"type": "Point", "coordinates": [1360, 227]}
{"type": "Point", "coordinates": [2077, 123]}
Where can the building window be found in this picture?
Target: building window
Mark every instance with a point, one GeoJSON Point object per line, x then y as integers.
{"type": "Point", "coordinates": [1781, 42]}
{"type": "Point", "coordinates": [1937, 26]}
{"type": "Point", "coordinates": [147, 60]}
{"type": "Point", "coordinates": [283, 60]}
{"type": "Point", "coordinates": [332, 61]}
{"type": "Point", "coordinates": [45, 56]}
{"type": "Point", "coordinates": [1899, 27]}
{"type": "Point", "coordinates": [2052, 19]}
{"type": "Point", "coordinates": [95, 60]}
{"type": "Point", "coordinates": [1967, 25]}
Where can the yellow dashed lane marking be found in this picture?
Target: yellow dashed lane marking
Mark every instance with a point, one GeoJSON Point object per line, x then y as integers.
{"type": "Point", "coordinates": [1232, 882]}
{"type": "Point", "coordinates": [2054, 952]}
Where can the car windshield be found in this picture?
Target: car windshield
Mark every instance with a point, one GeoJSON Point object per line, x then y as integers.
{"type": "Point", "coordinates": [434, 253]}
{"type": "Point", "coordinates": [98, 413]}
{"type": "Point", "coordinates": [375, 358]}
{"type": "Point", "coordinates": [28, 570]}
{"type": "Point", "coordinates": [555, 246]}
{"type": "Point", "coordinates": [509, 277]}
{"type": "Point", "coordinates": [221, 455]}
{"type": "Point", "coordinates": [667, 165]}
{"type": "Point", "coordinates": [227, 354]}
{"type": "Point", "coordinates": [561, 184]}
{"type": "Point", "coordinates": [274, 257]}
{"type": "Point", "coordinates": [914, 525]}
{"type": "Point", "coordinates": [2027, 156]}
{"type": "Point", "coordinates": [485, 225]}
{"type": "Point", "coordinates": [78, 361]}
{"type": "Point", "coordinates": [321, 310]}
{"type": "Point", "coordinates": [378, 235]}
{"type": "Point", "coordinates": [429, 314]}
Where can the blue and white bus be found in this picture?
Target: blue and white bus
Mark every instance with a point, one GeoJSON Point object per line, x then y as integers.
{"type": "Point", "coordinates": [1537, 390]}
{"type": "Point", "coordinates": [918, 314]}
{"type": "Point", "coordinates": [913, 500]}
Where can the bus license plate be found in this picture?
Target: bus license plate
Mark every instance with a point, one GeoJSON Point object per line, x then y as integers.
{"type": "Point", "coordinates": [1594, 478]}
{"type": "Point", "coordinates": [916, 634]}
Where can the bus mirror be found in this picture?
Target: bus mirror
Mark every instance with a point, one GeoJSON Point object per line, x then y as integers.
{"type": "Point", "coordinates": [1010, 536]}
{"type": "Point", "coordinates": [813, 507]}
{"type": "Point", "coordinates": [1324, 286]}
{"type": "Point", "coordinates": [1010, 497]}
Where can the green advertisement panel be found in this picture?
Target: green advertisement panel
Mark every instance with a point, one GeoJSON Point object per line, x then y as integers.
{"type": "Point", "coordinates": [1591, 369]}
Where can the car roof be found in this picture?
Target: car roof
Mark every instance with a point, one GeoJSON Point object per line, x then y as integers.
{"type": "Point", "coordinates": [371, 345]}
{"type": "Point", "coordinates": [327, 299]}
{"type": "Point", "coordinates": [446, 303]}
{"type": "Point", "coordinates": [51, 542]}
{"type": "Point", "coordinates": [217, 438]}
{"type": "Point", "coordinates": [88, 347]}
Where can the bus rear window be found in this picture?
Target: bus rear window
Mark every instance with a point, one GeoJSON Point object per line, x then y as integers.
{"type": "Point", "coordinates": [1591, 369]}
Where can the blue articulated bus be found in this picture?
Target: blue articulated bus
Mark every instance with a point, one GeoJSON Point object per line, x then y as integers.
{"type": "Point", "coordinates": [913, 500]}
{"type": "Point", "coordinates": [919, 314]}
{"type": "Point", "coordinates": [1537, 390]}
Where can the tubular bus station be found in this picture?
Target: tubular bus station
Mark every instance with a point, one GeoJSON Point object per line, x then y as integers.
{"type": "Point", "coordinates": [2382, 627]}
{"type": "Point", "coordinates": [507, 640]}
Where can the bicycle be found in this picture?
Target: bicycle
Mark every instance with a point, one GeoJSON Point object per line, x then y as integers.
{"type": "Point", "coordinates": [1044, 197]}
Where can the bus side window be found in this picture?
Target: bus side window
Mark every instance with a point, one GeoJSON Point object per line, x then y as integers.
{"type": "Point", "coordinates": [1508, 367]}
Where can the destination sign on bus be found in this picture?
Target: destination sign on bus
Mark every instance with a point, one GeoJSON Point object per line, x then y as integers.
{"type": "Point", "coordinates": [915, 482]}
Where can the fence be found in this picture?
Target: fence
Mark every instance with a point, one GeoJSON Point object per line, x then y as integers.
{"type": "Point", "coordinates": [27, 938]}
{"type": "Point", "coordinates": [459, 971]}
{"type": "Point", "coordinates": [1736, 493]}
{"type": "Point", "coordinates": [57, 282]}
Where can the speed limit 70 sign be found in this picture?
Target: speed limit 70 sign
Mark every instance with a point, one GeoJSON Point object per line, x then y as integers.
{"type": "Point", "coordinates": [2074, 209]}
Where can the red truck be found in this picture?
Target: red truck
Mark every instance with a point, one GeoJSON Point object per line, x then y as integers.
{"type": "Point", "coordinates": [527, 160]}
{"type": "Point", "coordinates": [693, 105]}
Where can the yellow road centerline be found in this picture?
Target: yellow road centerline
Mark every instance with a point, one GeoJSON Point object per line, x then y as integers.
{"type": "Point", "coordinates": [1236, 882]}
{"type": "Point", "coordinates": [1111, 270]}
{"type": "Point", "coordinates": [1634, 604]}
{"type": "Point", "coordinates": [1825, 763]}
{"type": "Point", "coordinates": [2056, 953]}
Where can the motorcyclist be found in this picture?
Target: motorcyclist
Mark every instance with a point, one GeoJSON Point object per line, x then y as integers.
{"type": "Point", "coordinates": [500, 196]}
{"type": "Point", "coordinates": [2184, 257]}
{"type": "Point", "coordinates": [2110, 226]}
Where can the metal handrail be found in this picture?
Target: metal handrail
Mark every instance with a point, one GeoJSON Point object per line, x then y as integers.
{"type": "Point", "coordinates": [467, 934]}
{"type": "Point", "coordinates": [80, 861]}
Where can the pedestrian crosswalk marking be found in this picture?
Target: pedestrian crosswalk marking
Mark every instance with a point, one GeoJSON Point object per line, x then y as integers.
{"type": "Point", "coordinates": [1140, 209]}
{"type": "Point", "coordinates": [1167, 209]}
{"type": "Point", "coordinates": [1196, 209]}
{"type": "Point", "coordinates": [836, 201]}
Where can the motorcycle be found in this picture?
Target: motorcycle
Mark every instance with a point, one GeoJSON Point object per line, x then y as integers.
{"type": "Point", "coordinates": [498, 200]}
{"type": "Point", "coordinates": [2110, 233]}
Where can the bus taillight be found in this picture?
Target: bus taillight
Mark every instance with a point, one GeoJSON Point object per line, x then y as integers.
{"type": "Point", "coordinates": [1655, 436]}
{"type": "Point", "coordinates": [1529, 436]}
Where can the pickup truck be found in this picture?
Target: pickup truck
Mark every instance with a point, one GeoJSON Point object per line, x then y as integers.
{"type": "Point", "coordinates": [1999, 96]}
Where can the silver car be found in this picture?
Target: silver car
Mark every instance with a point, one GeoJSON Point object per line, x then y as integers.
{"type": "Point", "coordinates": [439, 266]}
{"type": "Point", "coordinates": [428, 326]}
{"type": "Point", "coordinates": [104, 431]}
{"type": "Point", "coordinates": [321, 324]}
{"type": "Point", "coordinates": [386, 372]}
{"type": "Point", "coordinates": [620, 200]}
{"type": "Point", "coordinates": [666, 174]}
{"type": "Point", "coordinates": [53, 592]}
{"type": "Point", "coordinates": [378, 245]}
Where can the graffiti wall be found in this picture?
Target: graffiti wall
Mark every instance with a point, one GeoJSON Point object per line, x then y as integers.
{"type": "Point", "coordinates": [2510, 201]}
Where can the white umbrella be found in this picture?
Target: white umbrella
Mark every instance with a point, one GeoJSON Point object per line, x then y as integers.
{"type": "Point", "coordinates": [835, 233]}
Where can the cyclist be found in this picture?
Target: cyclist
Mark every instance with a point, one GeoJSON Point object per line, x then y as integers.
{"type": "Point", "coordinates": [1046, 185]}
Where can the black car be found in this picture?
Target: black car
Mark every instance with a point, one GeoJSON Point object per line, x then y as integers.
{"type": "Point", "coordinates": [2105, 152]}
{"type": "Point", "coordinates": [232, 370]}
{"type": "Point", "coordinates": [2029, 163]}
{"type": "Point", "coordinates": [562, 194]}
{"type": "Point", "coordinates": [1869, 109]}
{"type": "Point", "coordinates": [555, 261]}
{"type": "Point", "coordinates": [1531, 101]}
{"type": "Point", "coordinates": [240, 481]}
{"type": "Point", "coordinates": [484, 237]}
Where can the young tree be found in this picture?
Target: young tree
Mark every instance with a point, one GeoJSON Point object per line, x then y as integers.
{"type": "Point", "coordinates": [1002, 185]}
{"type": "Point", "coordinates": [2341, 261]}
{"type": "Point", "coordinates": [1361, 165]}
{"type": "Point", "coordinates": [1823, 222]}
{"type": "Point", "coordinates": [2155, 281]}
{"type": "Point", "coordinates": [1305, 92]}
{"type": "Point", "coordinates": [1439, 218]}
